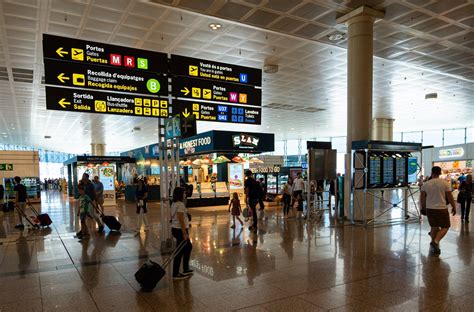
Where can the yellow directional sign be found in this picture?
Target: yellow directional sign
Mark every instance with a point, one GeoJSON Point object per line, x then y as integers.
{"type": "Point", "coordinates": [62, 78]}
{"type": "Point", "coordinates": [61, 52]}
{"type": "Point", "coordinates": [185, 91]}
{"type": "Point", "coordinates": [77, 54]}
{"type": "Point", "coordinates": [186, 113]}
{"type": "Point", "coordinates": [63, 103]}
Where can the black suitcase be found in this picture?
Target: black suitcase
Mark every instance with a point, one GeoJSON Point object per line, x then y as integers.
{"type": "Point", "coordinates": [111, 222]}
{"type": "Point", "coordinates": [8, 206]}
{"type": "Point", "coordinates": [151, 272]}
{"type": "Point", "coordinates": [43, 218]}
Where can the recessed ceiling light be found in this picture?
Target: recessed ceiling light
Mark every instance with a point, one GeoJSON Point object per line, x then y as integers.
{"type": "Point", "coordinates": [336, 37]}
{"type": "Point", "coordinates": [3, 133]}
{"type": "Point", "coordinates": [292, 128]}
{"type": "Point", "coordinates": [215, 26]}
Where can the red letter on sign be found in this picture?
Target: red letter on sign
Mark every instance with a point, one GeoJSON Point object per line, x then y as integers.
{"type": "Point", "coordinates": [116, 59]}
{"type": "Point", "coordinates": [129, 61]}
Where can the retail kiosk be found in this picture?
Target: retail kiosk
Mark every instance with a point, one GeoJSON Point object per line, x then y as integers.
{"type": "Point", "coordinates": [454, 160]}
{"type": "Point", "coordinates": [107, 168]}
{"type": "Point", "coordinates": [214, 163]}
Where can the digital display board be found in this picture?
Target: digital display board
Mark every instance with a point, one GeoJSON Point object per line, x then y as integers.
{"type": "Point", "coordinates": [375, 172]}
{"type": "Point", "coordinates": [388, 174]}
{"type": "Point", "coordinates": [401, 170]}
{"type": "Point", "coordinates": [412, 169]}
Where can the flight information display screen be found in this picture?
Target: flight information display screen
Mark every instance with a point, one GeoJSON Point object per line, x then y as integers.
{"type": "Point", "coordinates": [412, 169]}
{"type": "Point", "coordinates": [375, 171]}
{"type": "Point", "coordinates": [388, 173]}
{"type": "Point", "coordinates": [400, 170]}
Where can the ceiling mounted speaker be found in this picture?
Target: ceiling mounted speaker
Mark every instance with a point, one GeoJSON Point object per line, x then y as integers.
{"type": "Point", "coordinates": [270, 69]}
{"type": "Point", "coordinates": [431, 96]}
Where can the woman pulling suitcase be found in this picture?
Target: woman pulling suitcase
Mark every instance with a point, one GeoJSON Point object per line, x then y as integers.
{"type": "Point", "coordinates": [179, 229]}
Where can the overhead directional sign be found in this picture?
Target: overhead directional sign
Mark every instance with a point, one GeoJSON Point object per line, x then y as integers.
{"type": "Point", "coordinates": [6, 167]}
{"type": "Point", "coordinates": [197, 68]}
{"type": "Point", "coordinates": [201, 89]}
{"type": "Point", "coordinates": [104, 78]}
{"type": "Point", "coordinates": [95, 53]}
{"type": "Point", "coordinates": [87, 101]}
{"type": "Point", "coordinates": [218, 112]}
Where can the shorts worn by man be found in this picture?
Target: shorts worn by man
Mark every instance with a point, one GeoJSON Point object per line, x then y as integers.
{"type": "Point", "coordinates": [434, 194]}
{"type": "Point", "coordinates": [20, 201]}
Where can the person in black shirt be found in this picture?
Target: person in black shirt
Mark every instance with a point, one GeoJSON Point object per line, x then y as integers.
{"type": "Point", "coordinates": [90, 191]}
{"type": "Point", "coordinates": [141, 195]}
{"type": "Point", "coordinates": [252, 194]}
{"type": "Point", "coordinates": [20, 201]}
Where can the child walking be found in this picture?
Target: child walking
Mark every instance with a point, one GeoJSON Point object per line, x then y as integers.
{"type": "Point", "coordinates": [84, 202]}
{"type": "Point", "coordinates": [236, 209]}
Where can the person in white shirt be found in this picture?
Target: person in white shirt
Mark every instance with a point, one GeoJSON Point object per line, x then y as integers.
{"type": "Point", "coordinates": [298, 189]}
{"type": "Point", "coordinates": [435, 196]}
{"type": "Point", "coordinates": [179, 229]}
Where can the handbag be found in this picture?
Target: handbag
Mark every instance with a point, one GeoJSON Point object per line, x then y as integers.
{"type": "Point", "coordinates": [245, 212]}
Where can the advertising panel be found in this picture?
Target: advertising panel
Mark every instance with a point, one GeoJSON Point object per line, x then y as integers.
{"type": "Point", "coordinates": [107, 177]}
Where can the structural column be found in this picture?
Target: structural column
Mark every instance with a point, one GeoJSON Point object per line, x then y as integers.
{"type": "Point", "coordinates": [97, 149]}
{"type": "Point", "coordinates": [382, 129]}
{"type": "Point", "coordinates": [360, 23]}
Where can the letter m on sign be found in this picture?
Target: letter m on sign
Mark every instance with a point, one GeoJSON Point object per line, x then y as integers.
{"type": "Point", "coordinates": [116, 59]}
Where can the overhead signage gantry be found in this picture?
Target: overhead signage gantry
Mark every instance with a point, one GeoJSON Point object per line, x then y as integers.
{"type": "Point", "coordinates": [86, 76]}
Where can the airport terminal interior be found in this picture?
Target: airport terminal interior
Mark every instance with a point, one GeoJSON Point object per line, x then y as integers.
{"type": "Point", "coordinates": [321, 124]}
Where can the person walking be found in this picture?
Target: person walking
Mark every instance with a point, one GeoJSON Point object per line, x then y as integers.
{"type": "Point", "coordinates": [99, 192]}
{"type": "Point", "coordinates": [20, 201]}
{"type": "Point", "coordinates": [251, 197]}
{"type": "Point", "coordinates": [287, 197]}
{"type": "Point", "coordinates": [236, 209]}
{"type": "Point", "coordinates": [141, 195]}
{"type": "Point", "coordinates": [179, 230]}
{"type": "Point", "coordinates": [465, 197]}
{"type": "Point", "coordinates": [84, 207]}
{"type": "Point", "coordinates": [298, 188]}
{"type": "Point", "coordinates": [90, 191]}
{"type": "Point", "coordinates": [434, 194]}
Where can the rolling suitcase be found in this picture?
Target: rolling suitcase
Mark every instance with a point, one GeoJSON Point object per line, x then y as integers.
{"type": "Point", "coordinates": [44, 219]}
{"type": "Point", "coordinates": [151, 272]}
{"type": "Point", "coordinates": [111, 222]}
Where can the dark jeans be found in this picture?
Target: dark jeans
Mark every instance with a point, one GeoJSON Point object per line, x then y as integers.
{"type": "Point", "coordinates": [466, 208]}
{"type": "Point", "coordinates": [286, 203]}
{"type": "Point", "coordinates": [260, 203]}
{"type": "Point", "coordinates": [253, 207]}
{"type": "Point", "coordinates": [185, 253]}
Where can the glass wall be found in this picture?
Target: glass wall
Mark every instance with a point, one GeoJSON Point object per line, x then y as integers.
{"type": "Point", "coordinates": [454, 136]}
{"type": "Point", "coordinates": [433, 137]}
{"type": "Point", "coordinates": [413, 137]}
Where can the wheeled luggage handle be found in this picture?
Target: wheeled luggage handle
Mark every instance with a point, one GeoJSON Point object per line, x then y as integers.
{"type": "Point", "coordinates": [175, 252]}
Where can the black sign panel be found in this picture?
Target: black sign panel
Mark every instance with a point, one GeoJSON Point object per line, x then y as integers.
{"type": "Point", "coordinates": [104, 78]}
{"type": "Point", "coordinates": [85, 101]}
{"type": "Point", "coordinates": [218, 112]}
{"type": "Point", "coordinates": [197, 68]}
{"type": "Point", "coordinates": [200, 89]}
{"type": "Point", "coordinates": [95, 53]}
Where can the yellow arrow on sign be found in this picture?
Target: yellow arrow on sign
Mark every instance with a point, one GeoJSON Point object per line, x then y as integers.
{"type": "Point", "coordinates": [63, 103]}
{"type": "Point", "coordinates": [186, 113]}
{"type": "Point", "coordinates": [61, 52]}
{"type": "Point", "coordinates": [62, 78]}
{"type": "Point", "coordinates": [185, 91]}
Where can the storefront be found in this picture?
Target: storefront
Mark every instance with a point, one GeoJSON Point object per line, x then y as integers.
{"type": "Point", "coordinates": [214, 163]}
{"type": "Point", "coordinates": [454, 161]}
{"type": "Point", "coordinates": [108, 168]}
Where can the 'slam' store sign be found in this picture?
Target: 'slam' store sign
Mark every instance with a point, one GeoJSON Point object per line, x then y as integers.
{"type": "Point", "coordinates": [451, 152]}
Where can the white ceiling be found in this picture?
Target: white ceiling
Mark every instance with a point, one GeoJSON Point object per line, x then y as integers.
{"type": "Point", "coordinates": [423, 46]}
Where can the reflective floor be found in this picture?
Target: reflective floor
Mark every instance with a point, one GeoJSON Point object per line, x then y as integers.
{"type": "Point", "coordinates": [289, 265]}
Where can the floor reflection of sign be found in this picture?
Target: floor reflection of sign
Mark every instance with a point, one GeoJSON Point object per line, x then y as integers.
{"type": "Point", "coordinates": [218, 112]}
{"type": "Point", "coordinates": [105, 103]}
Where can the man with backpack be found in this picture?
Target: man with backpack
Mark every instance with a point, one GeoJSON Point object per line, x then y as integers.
{"type": "Point", "coordinates": [252, 196]}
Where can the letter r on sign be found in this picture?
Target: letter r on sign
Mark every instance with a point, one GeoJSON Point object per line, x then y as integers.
{"type": "Point", "coordinates": [129, 61]}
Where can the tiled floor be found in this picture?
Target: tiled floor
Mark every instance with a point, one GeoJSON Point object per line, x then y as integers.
{"type": "Point", "coordinates": [289, 265]}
